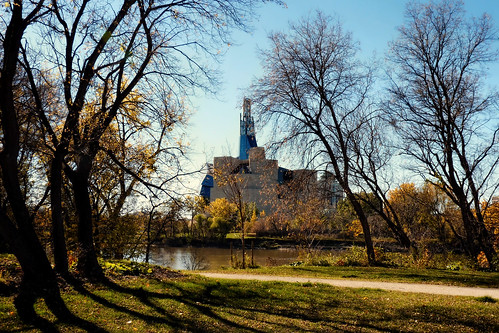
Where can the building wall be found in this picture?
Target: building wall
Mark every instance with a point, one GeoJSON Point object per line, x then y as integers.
{"type": "Point", "coordinates": [257, 177]}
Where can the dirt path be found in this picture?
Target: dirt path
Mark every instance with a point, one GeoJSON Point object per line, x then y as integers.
{"type": "Point", "coordinates": [396, 286]}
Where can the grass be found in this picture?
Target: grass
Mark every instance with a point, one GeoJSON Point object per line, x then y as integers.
{"type": "Point", "coordinates": [448, 269]}
{"type": "Point", "coordinates": [411, 275]}
{"type": "Point", "coordinates": [196, 304]}
{"type": "Point", "coordinates": [145, 298]}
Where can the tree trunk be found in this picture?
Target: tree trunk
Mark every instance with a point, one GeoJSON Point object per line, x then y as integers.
{"type": "Point", "coordinates": [241, 215]}
{"type": "Point", "coordinates": [398, 232]}
{"type": "Point", "coordinates": [88, 264]}
{"type": "Point", "coordinates": [58, 236]}
{"type": "Point", "coordinates": [478, 239]}
{"type": "Point", "coordinates": [39, 280]}
{"type": "Point", "coordinates": [371, 257]}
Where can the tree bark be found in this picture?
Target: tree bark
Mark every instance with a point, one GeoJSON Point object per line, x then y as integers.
{"type": "Point", "coordinates": [88, 264]}
{"type": "Point", "coordinates": [371, 257]}
{"type": "Point", "coordinates": [58, 235]}
{"type": "Point", "coordinates": [39, 280]}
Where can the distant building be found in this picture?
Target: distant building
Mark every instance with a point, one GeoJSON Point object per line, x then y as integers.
{"type": "Point", "coordinates": [263, 180]}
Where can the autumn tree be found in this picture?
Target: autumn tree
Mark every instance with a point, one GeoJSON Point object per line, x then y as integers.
{"type": "Point", "coordinates": [228, 175]}
{"type": "Point", "coordinates": [223, 217]}
{"type": "Point", "coordinates": [94, 56]}
{"type": "Point", "coordinates": [16, 219]}
{"type": "Point", "coordinates": [102, 53]}
{"type": "Point", "coordinates": [315, 93]}
{"type": "Point", "coordinates": [444, 114]}
{"type": "Point", "coordinates": [491, 220]}
{"type": "Point", "coordinates": [132, 158]}
{"type": "Point", "coordinates": [299, 207]}
{"type": "Point", "coordinates": [424, 211]}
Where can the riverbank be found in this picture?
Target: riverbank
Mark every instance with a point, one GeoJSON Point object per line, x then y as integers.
{"type": "Point", "coordinates": [234, 240]}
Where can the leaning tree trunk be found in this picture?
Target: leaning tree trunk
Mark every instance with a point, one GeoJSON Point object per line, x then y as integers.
{"type": "Point", "coordinates": [16, 224]}
{"type": "Point", "coordinates": [478, 239]}
{"type": "Point", "coordinates": [371, 257]}
{"type": "Point", "coordinates": [39, 281]}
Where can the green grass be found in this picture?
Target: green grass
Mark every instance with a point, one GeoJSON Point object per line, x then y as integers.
{"type": "Point", "coordinates": [162, 301]}
{"type": "Point", "coordinates": [202, 305]}
{"type": "Point", "coordinates": [412, 275]}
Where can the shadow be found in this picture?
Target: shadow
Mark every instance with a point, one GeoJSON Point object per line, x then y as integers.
{"type": "Point", "coordinates": [196, 300]}
{"type": "Point", "coordinates": [24, 304]}
{"type": "Point", "coordinates": [196, 304]}
{"type": "Point", "coordinates": [205, 299]}
{"type": "Point", "coordinates": [44, 325]}
{"type": "Point", "coordinates": [7, 290]}
{"type": "Point", "coordinates": [451, 317]}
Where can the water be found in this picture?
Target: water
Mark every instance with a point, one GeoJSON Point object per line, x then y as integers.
{"type": "Point", "coordinates": [188, 258]}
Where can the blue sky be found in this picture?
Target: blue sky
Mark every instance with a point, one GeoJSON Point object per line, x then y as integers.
{"type": "Point", "coordinates": [214, 125]}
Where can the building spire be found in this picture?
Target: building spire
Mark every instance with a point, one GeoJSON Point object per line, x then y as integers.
{"type": "Point", "coordinates": [247, 131]}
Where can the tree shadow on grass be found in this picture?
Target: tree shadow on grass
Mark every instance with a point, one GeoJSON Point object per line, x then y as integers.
{"type": "Point", "coordinates": [209, 302]}
{"type": "Point", "coordinates": [156, 313]}
{"type": "Point", "coordinates": [201, 304]}
{"type": "Point", "coordinates": [208, 297]}
{"type": "Point", "coordinates": [45, 325]}
{"type": "Point", "coordinates": [449, 316]}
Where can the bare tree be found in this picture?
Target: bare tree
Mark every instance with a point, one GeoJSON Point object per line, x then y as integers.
{"type": "Point", "coordinates": [372, 171]}
{"type": "Point", "coordinates": [439, 105]}
{"type": "Point", "coordinates": [314, 92]}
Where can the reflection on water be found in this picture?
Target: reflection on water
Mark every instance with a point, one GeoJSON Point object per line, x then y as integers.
{"type": "Point", "coordinates": [190, 258]}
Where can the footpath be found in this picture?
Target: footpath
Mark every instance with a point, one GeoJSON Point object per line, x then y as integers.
{"type": "Point", "coordinates": [395, 286]}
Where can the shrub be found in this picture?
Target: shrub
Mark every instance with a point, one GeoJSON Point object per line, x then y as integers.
{"type": "Point", "coordinates": [354, 256]}
{"type": "Point", "coordinates": [124, 267]}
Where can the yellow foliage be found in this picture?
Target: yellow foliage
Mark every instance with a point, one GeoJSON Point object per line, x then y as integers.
{"type": "Point", "coordinates": [355, 228]}
{"type": "Point", "coordinates": [491, 220]}
{"type": "Point", "coordinates": [221, 207]}
{"type": "Point", "coordinates": [402, 192]}
{"type": "Point", "coordinates": [482, 260]}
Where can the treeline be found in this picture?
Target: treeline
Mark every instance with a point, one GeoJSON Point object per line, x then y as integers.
{"type": "Point", "coordinates": [435, 114]}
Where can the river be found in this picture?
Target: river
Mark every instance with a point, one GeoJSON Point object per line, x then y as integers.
{"type": "Point", "coordinates": [188, 258]}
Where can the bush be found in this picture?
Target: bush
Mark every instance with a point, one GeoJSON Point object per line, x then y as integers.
{"type": "Point", "coordinates": [354, 256]}
{"type": "Point", "coordinates": [124, 267]}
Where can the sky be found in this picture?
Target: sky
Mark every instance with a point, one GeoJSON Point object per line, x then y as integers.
{"type": "Point", "coordinates": [213, 129]}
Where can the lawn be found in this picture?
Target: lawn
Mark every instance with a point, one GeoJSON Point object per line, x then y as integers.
{"type": "Point", "coordinates": [466, 278]}
{"type": "Point", "coordinates": [196, 304]}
